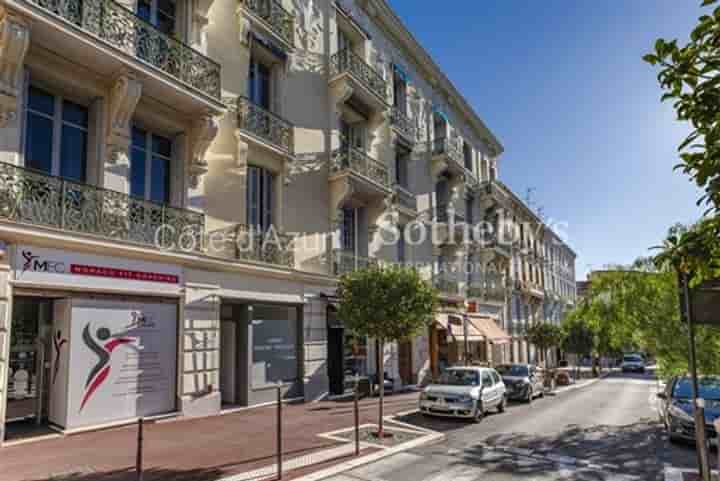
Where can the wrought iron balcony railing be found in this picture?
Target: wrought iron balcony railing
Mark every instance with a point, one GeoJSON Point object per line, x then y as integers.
{"type": "Point", "coordinates": [344, 262]}
{"type": "Point", "coordinates": [347, 61]}
{"type": "Point", "coordinates": [278, 20]}
{"type": "Point", "coordinates": [403, 124]}
{"type": "Point", "coordinates": [31, 197]}
{"type": "Point", "coordinates": [443, 146]}
{"type": "Point", "coordinates": [488, 288]}
{"type": "Point", "coordinates": [241, 242]}
{"type": "Point", "coordinates": [121, 28]}
{"type": "Point", "coordinates": [352, 159]}
{"type": "Point", "coordinates": [446, 285]}
{"type": "Point", "coordinates": [257, 121]}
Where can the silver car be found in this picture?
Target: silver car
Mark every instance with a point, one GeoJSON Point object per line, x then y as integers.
{"type": "Point", "coordinates": [464, 392]}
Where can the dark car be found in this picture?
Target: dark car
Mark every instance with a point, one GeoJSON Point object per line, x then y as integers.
{"type": "Point", "coordinates": [523, 381]}
{"type": "Point", "coordinates": [676, 409]}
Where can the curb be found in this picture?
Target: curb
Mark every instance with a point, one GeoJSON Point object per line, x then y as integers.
{"type": "Point", "coordinates": [580, 386]}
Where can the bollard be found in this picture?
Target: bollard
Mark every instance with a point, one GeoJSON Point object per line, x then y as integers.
{"type": "Point", "coordinates": [139, 454]}
{"type": "Point", "coordinates": [279, 429]}
{"type": "Point", "coordinates": [357, 415]}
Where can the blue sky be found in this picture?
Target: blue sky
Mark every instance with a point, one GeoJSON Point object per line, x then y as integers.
{"type": "Point", "coordinates": [562, 85]}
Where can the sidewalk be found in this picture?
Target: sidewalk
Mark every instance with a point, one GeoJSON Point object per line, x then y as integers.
{"type": "Point", "coordinates": [201, 449]}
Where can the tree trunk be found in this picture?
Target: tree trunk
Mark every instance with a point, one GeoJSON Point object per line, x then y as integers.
{"type": "Point", "coordinates": [381, 384]}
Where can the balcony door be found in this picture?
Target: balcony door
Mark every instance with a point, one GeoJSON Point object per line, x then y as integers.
{"type": "Point", "coordinates": [349, 232]}
{"type": "Point", "coordinates": [150, 161]}
{"type": "Point", "coordinates": [260, 198]}
{"type": "Point", "coordinates": [161, 14]}
{"type": "Point", "coordinates": [399, 90]}
{"type": "Point", "coordinates": [352, 135]}
{"type": "Point", "coordinates": [442, 195]}
{"type": "Point", "coordinates": [259, 81]}
{"type": "Point", "coordinates": [56, 135]}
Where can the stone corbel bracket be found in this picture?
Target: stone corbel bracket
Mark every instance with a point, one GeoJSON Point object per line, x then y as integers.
{"type": "Point", "coordinates": [201, 136]}
{"type": "Point", "coordinates": [14, 43]}
{"type": "Point", "coordinates": [124, 97]}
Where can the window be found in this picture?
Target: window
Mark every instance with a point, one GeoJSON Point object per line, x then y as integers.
{"type": "Point", "coordinates": [486, 379]}
{"type": "Point", "coordinates": [259, 84]}
{"type": "Point", "coordinates": [57, 135]}
{"type": "Point", "coordinates": [469, 210]}
{"type": "Point", "coordinates": [150, 159]}
{"type": "Point", "coordinates": [160, 13]}
{"type": "Point", "coordinates": [260, 198]}
{"type": "Point", "coordinates": [401, 245]}
{"type": "Point", "coordinates": [439, 127]}
{"type": "Point", "coordinates": [399, 90]}
{"type": "Point", "coordinates": [274, 345]}
{"type": "Point", "coordinates": [496, 377]}
{"type": "Point", "coordinates": [348, 229]}
{"type": "Point", "coordinates": [352, 135]}
{"type": "Point", "coordinates": [467, 156]}
{"type": "Point", "coordinates": [401, 167]}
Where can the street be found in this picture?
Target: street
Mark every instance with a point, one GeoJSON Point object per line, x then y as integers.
{"type": "Point", "coordinates": [607, 430]}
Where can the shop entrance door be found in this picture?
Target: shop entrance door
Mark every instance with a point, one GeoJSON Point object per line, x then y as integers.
{"type": "Point", "coordinates": [406, 361]}
{"type": "Point", "coordinates": [30, 351]}
{"type": "Point", "coordinates": [335, 353]}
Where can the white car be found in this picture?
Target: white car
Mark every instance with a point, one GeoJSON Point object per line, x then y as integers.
{"type": "Point", "coordinates": [464, 392]}
{"type": "Point", "coordinates": [632, 362]}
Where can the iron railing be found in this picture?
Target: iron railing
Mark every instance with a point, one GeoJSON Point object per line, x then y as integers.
{"type": "Point", "coordinates": [240, 242]}
{"type": "Point", "coordinates": [443, 146]}
{"type": "Point", "coordinates": [31, 197]}
{"type": "Point", "coordinates": [261, 123]}
{"type": "Point", "coordinates": [344, 262]}
{"type": "Point", "coordinates": [123, 29]}
{"type": "Point", "coordinates": [352, 159]}
{"type": "Point", "coordinates": [487, 287]}
{"type": "Point", "coordinates": [403, 124]}
{"type": "Point", "coordinates": [347, 61]}
{"type": "Point", "coordinates": [278, 20]}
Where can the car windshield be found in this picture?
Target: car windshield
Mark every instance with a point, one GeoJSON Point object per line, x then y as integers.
{"type": "Point", "coordinates": [632, 359]}
{"type": "Point", "coordinates": [460, 377]}
{"type": "Point", "coordinates": [708, 387]}
{"type": "Point", "coordinates": [513, 370]}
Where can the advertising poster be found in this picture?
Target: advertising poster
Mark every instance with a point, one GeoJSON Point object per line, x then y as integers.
{"type": "Point", "coordinates": [122, 361]}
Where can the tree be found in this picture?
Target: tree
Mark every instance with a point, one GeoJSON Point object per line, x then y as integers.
{"type": "Point", "coordinates": [689, 76]}
{"type": "Point", "coordinates": [388, 305]}
{"type": "Point", "coordinates": [577, 336]}
{"type": "Point", "coordinates": [544, 336]}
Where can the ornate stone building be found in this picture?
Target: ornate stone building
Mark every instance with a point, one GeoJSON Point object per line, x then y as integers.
{"type": "Point", "coordinates": [183, 181]}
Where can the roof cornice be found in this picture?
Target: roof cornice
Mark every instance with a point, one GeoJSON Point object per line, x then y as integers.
{"type": "Point", "coordinates": [385, 16]}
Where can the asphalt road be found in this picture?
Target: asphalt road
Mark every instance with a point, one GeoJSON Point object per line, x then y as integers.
{"type": "Point", "coordinates": [605, 431]}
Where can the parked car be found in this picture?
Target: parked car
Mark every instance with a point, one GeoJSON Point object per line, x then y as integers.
{"type": "Point", "coordinates": [523, 381]}
{"type": "Point", "coordinates": [464, 392]}
{"type": "Point", "coordinates": [632, 362]}
{"type": "Point", "coordinates": [676, 409]}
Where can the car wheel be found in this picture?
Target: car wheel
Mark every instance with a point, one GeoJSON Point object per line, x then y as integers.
{"type": "Point", "coordinates": [479, 414]}
{"type": "Point", "coordinates": [503, 404]}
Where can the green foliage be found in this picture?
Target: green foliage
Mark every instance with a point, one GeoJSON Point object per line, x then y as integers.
{"type": "Point", "coordinates": [389, 304]}
{"type": "Point", "coordinates": [544, 335]}
{"type": "Point", "coordinates": [693, 250]}
{"type": "Point", "coordinates": [689, 77]}
{"type": "Point", "coordinates": [577, 336]}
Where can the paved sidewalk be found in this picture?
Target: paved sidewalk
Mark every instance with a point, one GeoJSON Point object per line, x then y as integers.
{"type": "Point", "coordinates": [193, 449]}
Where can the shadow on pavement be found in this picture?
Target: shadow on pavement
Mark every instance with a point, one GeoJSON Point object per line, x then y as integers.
{"type": "Point", "coordinates": [195, 474]}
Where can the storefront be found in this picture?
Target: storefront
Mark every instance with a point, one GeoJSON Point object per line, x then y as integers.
{"type": "Point", "coordinates": [93, 340]}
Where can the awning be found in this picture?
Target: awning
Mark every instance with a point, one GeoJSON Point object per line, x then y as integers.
{"type": "Point", "coordinates": [401, 73]}
{"type": "Point", "coordinates": [457, 330]}
{"type": "Point", "coordinates": [260, 297]}
{"type": "Point", "coordinates": [490, 329]}
{"type": "Point", "coordinates": [441, 114]}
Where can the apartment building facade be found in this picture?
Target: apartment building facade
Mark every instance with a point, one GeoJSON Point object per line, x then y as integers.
{"type": "Point", "coordinates": [182, 182]}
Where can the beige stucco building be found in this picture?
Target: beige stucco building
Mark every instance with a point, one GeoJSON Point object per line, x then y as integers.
{"type": "Point", "coordinates": [183, 181]}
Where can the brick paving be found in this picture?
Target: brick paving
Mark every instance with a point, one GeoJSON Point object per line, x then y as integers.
{"type": "Point", "coordinates": [191, 449]}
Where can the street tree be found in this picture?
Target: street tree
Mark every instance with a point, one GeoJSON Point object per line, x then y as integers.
{"type": "Point", "coordinates": [578, 337]}
{"type": "Point", "coordinates": [388, 305]}
{"type": "Point", "coordinates": [543, 336]}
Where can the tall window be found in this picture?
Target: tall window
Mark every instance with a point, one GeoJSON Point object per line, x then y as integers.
{"type": "Point", "coordinates": [150, 159]}
{"type": "Point", "coordinates": [399, 91]}
{"type": "Point", "coordinates": [259, 84]}
{"type": "Point", "coordinates": [469, 211]}
{"type": "Point", "coordinates": [352, 135]}
{"type": "Point", "coordinates": [57, 135]}
{"type": "Point", "coordinates": [401, 245]}
{"type": "Point", "coordinates": [349, 229]}
{"type": "Point", "coordinates": [160, 13]}
{"type": "Point", "coordinates": [439, 127]}
{"type": "Point", "coordinates": [401, 167]}
{"type": "Point", "coordinates": [260, 198]}
{"type": "Point", "coordinates": [467, 156]}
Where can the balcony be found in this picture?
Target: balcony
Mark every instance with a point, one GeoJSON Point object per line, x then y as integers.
{"type": "Point", "coordinates": [264, 126]}
{"type": "Point", "coordinates": [403, 125]}
{"type": "Point", "coordinates": [530, 289]}
{"type": "Point", "coordinates": [31, 197]}
{"type": "Point", "coordinates": [352, 80]}
{"type": "Point", "coordinates": [344, 262]}
{"type": "Point", "coordinates": [243, 243]}
{"type": "Point", "coordinates": [273, 17]}
{"type": "Point", "coordinates": [494, 193]}
{"type": "Point", "coordinates": [446, 156]}
{"type": "Point", "coordinates": [405, 200]}
{"type": "Point", "coordinates": [446, 286]}
{"type": "Point", "coordinates": [494, 249]}
{"type": "Point", "coordinates": [370, 178]}
{"type": "Point", "coordinates": [115, 38]}
{"type": "Point", "coordinates": [488, 289]}
{"type": "Point", "coordinates": [451, 227]}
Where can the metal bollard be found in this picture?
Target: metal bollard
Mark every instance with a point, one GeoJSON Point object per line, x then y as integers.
{"type": "Point", "coordinates": [139, 454]}
{"type": "Point", "coordinates": [279, 429]}
{"type": "Point", "coordinates": [357, 415]}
